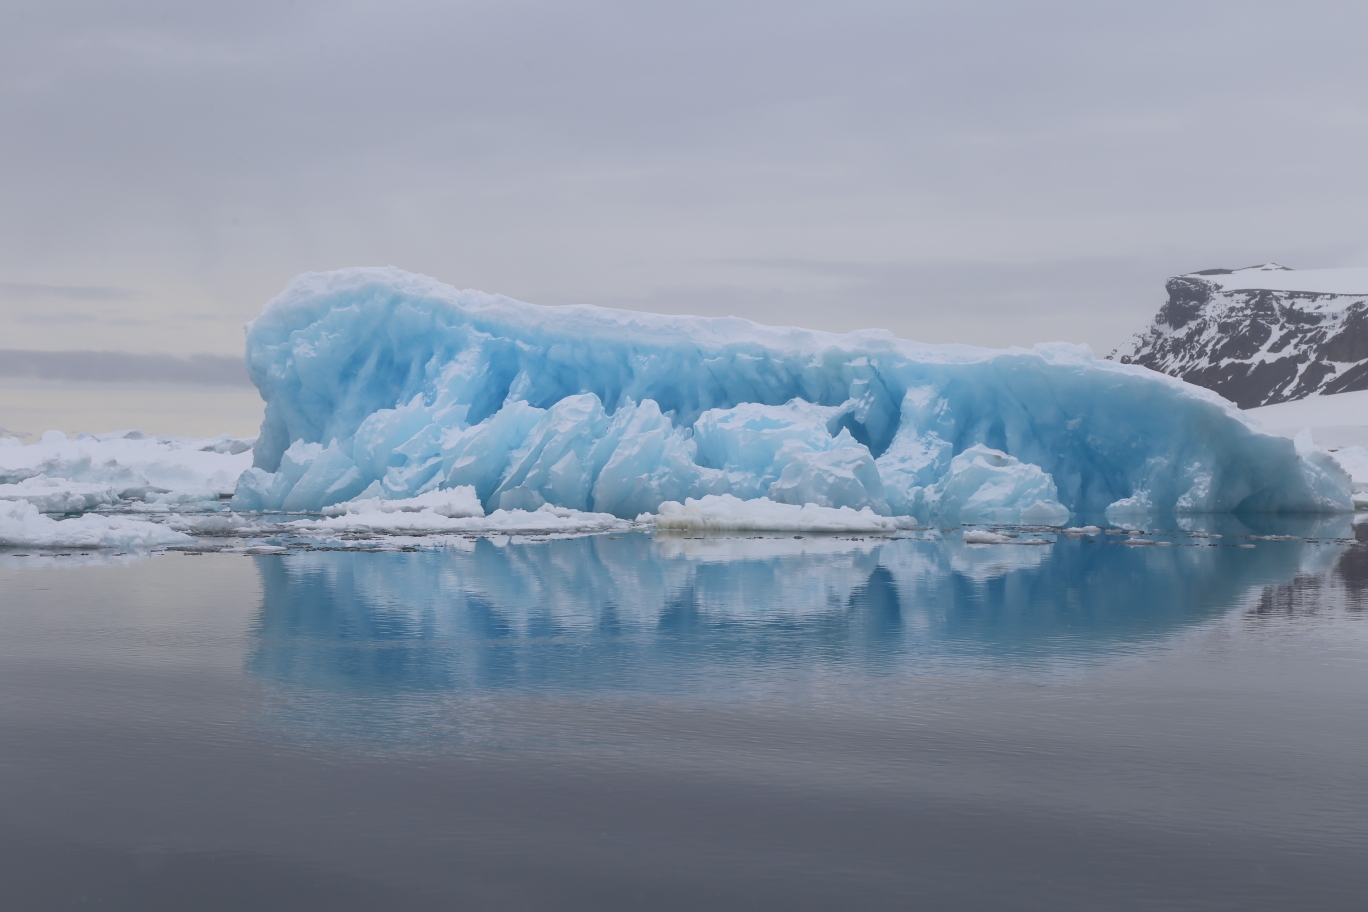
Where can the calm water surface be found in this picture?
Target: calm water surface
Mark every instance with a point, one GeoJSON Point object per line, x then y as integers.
{"type": "Point", "coordinates": [628, 722]}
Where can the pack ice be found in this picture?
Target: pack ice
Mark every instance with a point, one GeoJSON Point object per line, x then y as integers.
{"type": "Point", "coordinates": [383, 385]}
{"type": "Point", "coordinates": [125, 472]}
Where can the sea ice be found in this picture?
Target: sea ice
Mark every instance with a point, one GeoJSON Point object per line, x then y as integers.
{"type": "Point", "coordinates": [728, 513]}
{"type": "Point", "coordinates": [546, 520]}
{"type": "Point", "coordinates": [22, 525]}
{"type": "Point", "coordinates": [453, 503]}
{"type": "Point", "coordinates": [60, 495]}
{"type": "Point", "coordinates": [985, 537]}
{"type": "Point", "coordinates": [387, 385]}
{"type": "Point", "coordinates": [61, 475]}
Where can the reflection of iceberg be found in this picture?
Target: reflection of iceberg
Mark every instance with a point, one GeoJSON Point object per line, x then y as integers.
{"type": "Point", "coordinates": [383, 384]}
{"type": "Point", "coordinates": [641, 613]}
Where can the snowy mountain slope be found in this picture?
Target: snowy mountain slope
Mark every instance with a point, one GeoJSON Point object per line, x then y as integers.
{"type": "Point", "coordinates": [1261, 335]}
{"type": "Point", "coordinates": [1335, 422]}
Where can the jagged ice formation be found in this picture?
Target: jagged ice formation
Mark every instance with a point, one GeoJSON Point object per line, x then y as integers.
{"type": "Point", "coordinates": [383, 384]}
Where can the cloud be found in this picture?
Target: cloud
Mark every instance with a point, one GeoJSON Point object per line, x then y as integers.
{"type": "Point", "coordinates": [1055, 157]}
{"type": "Point", "coordinates": [28, 291]}
{"type": "Point", "coordinates": [98, 366]}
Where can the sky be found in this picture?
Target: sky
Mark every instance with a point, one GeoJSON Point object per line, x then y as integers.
{"type": "Point", "coordinates": [991, 173]}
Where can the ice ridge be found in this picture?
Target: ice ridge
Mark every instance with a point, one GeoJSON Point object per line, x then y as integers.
{"type": "Point", "coordinates": [384, 385]}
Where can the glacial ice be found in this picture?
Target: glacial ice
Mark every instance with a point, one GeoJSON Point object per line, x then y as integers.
{"type": "Point", "coordinates": [381, 384]}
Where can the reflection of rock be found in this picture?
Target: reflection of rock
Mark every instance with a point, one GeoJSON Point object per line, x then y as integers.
{"type": "Point", "coordinates": [1305, 594]}
{"type": "Point", "coordinates": [635, 612]}
{"type": "Point", "coordinates": [1352, 569]}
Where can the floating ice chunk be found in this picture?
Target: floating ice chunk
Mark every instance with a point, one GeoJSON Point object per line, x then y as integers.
{"type": "Point", "coordinates": [986, 537]}
{"type": "Point", "coordinates": [999, 537]}
{"type": "Point", "coordinates": [22, 525]}
{"type": "Point", "coordinates": [987, 485]}
{"type": "Point", "coordinates": [1137, 505]}
{"type": "Point", "coordinates": [549, 520]}
{"type": "Point", "coordinates": [59, 495]}
{"type": "Point", "coordinates": [450, 502]}
{"type": "Point", "coordinates": [216, 524]}
{"type": "Point", "coordinates": [728, 513]}
{"type": "Point", "coordinates": [1080, 531]}
{"type": "Point", "coordinates": [422, 387]}
{"type": "Point", "coordinates": [132, 466]}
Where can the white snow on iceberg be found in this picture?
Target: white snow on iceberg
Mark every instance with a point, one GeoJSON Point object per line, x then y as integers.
{"type": "Point", "coordinates": [386, 385]}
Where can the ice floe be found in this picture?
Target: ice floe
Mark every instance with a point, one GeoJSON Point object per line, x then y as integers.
{"type": "Point", "coordinates": [728, 513]}
{"type": "Point", "coordinates": [61, 475]}
{"type": "Point", "coordinates": [22, 525]}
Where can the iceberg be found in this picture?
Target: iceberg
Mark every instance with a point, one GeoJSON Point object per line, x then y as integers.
{"type": "Point", "coordinates": [382, 385]}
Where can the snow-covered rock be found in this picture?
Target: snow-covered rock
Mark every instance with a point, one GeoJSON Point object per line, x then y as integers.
{"type": "Point", "coordinates": [380, 381]}
{"type": "Point", "coordinates": [1261, 335]}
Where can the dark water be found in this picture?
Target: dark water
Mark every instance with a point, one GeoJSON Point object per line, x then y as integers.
{"type": "Point", "coordinates": [635, 723]}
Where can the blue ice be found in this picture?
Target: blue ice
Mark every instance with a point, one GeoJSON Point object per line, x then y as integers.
{"type": "Point", "coordinates": [382, 383]}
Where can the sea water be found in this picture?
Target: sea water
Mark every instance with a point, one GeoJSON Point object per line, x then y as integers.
{"type": "Point", "coordinates": [667, 722]}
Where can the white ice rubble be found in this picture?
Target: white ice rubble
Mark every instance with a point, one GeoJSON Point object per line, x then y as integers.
{"type": "Point", "coordinates": [545, 520]}
{"type": "Point", "coordinates": [22, 525]}
{"type": "Point", "coordinates": [728, 513]}
{"type": "Point", "coordinates": [126, 471]}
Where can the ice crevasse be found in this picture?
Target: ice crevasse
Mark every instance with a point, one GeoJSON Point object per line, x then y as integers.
{"type": "Point", "coordinates": [381, 384]}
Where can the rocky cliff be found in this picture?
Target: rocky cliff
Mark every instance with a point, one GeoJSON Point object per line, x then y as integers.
{"type": "Point", "coordinates": [1261, 335]}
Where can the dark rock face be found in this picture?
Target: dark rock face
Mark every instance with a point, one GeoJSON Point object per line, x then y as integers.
{"type": "Point", "coordinates": [1255, 346]}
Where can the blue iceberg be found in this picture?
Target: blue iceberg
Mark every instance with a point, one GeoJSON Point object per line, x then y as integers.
{"type": "Point", "coordinates": [382, 384]}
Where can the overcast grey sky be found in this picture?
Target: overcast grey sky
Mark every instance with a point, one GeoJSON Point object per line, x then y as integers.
{"type": "Point", "coordinates": [995, 173]}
